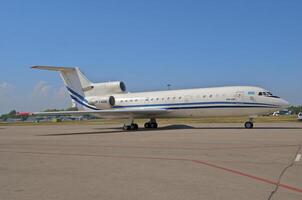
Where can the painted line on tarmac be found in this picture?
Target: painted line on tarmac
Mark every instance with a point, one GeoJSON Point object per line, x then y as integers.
{"type": "Point", "coordinates": [161, 147]}
{"type": "Point", "coordinates": [298, 158]}
{"type": "Point", "coordinates": [264, 180]}
{"type": "Point", "coordinates": [237, 172]}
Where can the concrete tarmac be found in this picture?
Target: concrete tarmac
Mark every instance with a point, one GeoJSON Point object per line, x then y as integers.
{"type": "Point", "coordinates": [201, 161]}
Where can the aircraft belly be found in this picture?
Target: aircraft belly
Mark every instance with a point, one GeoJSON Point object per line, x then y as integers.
{"type": "Point", "coordinates": [194, 112]}
{"type": "Point", "coordinates": [219, 112]}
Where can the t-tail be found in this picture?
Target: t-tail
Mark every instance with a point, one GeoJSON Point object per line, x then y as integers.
{"type": "Point", "coordinates": [84, 93]}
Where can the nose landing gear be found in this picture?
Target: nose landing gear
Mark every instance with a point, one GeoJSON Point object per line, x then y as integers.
{"type": "Point", "coordinates": [249, 124]}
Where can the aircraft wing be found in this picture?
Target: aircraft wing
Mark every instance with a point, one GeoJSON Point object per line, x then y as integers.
{"type": "Point", "coordinates": [103, 113]}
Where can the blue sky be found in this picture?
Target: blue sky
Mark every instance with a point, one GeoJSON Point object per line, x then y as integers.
{"type": "Point", "coordinates": [148, 44]}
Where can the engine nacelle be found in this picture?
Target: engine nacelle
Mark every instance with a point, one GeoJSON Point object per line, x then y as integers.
{"type": "Point", "coordinates": [102, 102]}
{"type": "Point", "coordinates": [101, 89]}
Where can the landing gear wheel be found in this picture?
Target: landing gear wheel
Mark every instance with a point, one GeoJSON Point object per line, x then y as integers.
{"type": "Point", "coordinates": [154, 125]}
{"type": "Point", "coordinates": [132, 127]}
{"type": "Point", "coordinates": [249, 125]}
{"type": "Point", "coordinates": [126, 128]}
{"type": "Point", "coordinates": [151, 125]}
{"type": "Point", "coordinates": [147, 125]}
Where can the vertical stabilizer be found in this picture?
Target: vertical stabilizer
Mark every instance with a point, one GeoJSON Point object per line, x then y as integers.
{"type": "Point", "coordinates": [75, 82]}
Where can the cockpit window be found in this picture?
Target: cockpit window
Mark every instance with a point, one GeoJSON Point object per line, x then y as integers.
{"type": "Point", "coordinates": [267, 94]}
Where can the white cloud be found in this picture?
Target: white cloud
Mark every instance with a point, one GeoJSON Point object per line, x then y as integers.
{"type": "Point", "coordinates": [41, 89]}
{"type": "Point", "coordinates": [47, 96]}
{"type": "Point", "coordinates": [3, 85]}
{"type": "Point", "coordinates": [61, 92]}
{"type": "Point", "coordinates": [7, 92]}
{"type": "Point", "coordinates": [6, 88]}
{"type": "Point", "coordinates": [41, 97]}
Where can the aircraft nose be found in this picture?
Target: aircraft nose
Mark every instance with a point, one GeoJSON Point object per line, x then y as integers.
{"type": "Point", "coordinates": [284, 103]}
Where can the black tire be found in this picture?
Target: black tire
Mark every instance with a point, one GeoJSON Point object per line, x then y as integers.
{"type": "Point", "coordinates": [126, 128]}
{"type": "Point", "coordinates": [249, 125]}
{"type": "Point", "coordinates": [147, 125]}
{"type": "Point", "coordinates": [151, 125]}
{"type": "Point", "coordinates": [154, 125]}
{"type": "Point", "coordinates": [135, 126]}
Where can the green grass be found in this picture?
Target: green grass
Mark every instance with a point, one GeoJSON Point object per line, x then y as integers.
{"type": "Point", "coordinates": [270, 119]}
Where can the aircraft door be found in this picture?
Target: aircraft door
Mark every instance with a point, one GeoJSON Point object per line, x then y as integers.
{"type": "Point", "coordinates": [239, 96]}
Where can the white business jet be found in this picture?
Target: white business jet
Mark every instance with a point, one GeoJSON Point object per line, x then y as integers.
{"type": "Point", "coordinates": [110, 100]}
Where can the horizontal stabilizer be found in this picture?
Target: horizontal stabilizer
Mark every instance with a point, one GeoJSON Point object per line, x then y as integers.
{"type": "Point", "coordinates": [52, 68]}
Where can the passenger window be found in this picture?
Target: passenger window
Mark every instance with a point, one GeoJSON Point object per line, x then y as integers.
{"type": "Point", "coordinates": [260, 94]}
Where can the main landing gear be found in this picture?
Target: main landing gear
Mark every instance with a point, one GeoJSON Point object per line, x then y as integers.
{"type": "Point", "coordinates": [131, 126]}
{"type": "Point", "coordinates": [152, 124]}
{"type": "Point", "coordinates": [249, 124]}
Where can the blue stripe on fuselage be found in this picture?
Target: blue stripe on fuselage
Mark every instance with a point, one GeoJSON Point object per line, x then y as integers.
{"type": "Point", "coordinates": [76, 94]}
{"type": "Point", "coordinates": [196, 103]}
{"type": "Point", "coordinates": [252, 105]}
{"type": "Point", "coordinates": [83, 104]}
{"type": "Point", "coordinates": [200, 107]}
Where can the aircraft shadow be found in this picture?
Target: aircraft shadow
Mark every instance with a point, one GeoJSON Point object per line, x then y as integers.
{"type": "Point", "coordinates": [82, 133]}
{"type": "Point", "coordinates": [165, 128]}
{"type": "Point", "coordinates": [182, 126]}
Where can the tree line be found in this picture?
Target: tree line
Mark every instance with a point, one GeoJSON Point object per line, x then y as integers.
{"type": "Point", "coordinates": [14, 114]}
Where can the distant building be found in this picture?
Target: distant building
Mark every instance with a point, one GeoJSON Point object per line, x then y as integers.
{"type": "Point", "coordinates": [12, 120]}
